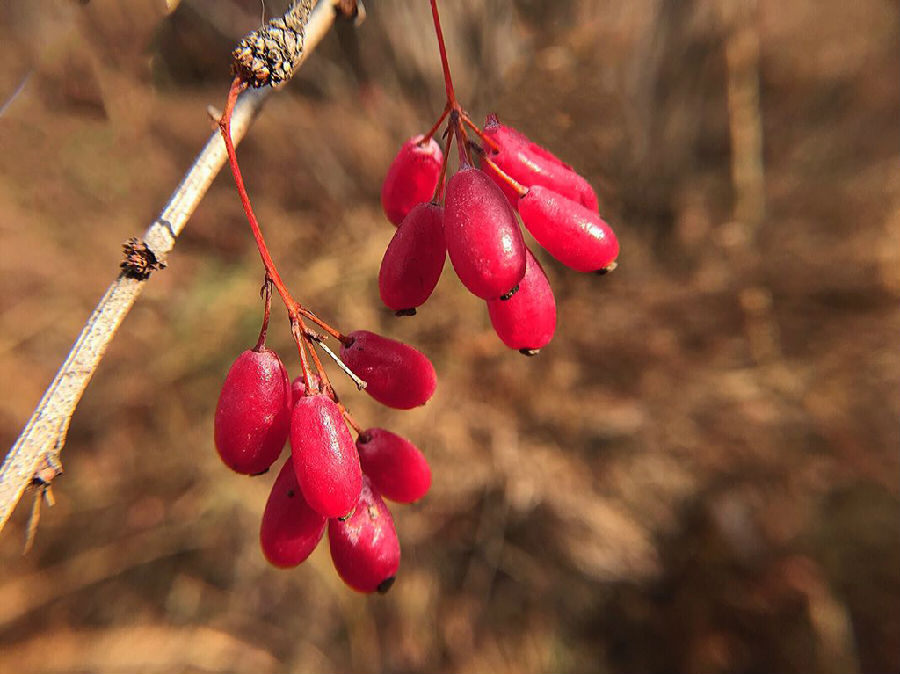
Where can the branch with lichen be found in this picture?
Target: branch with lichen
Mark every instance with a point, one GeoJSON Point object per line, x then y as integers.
{"type": "Point", "coordinates": [268, 56]}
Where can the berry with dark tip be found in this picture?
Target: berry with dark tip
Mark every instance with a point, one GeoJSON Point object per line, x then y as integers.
{"type": "Point", "coordinates": [530, 164]}
{"type": "Point", "coordinates": [364, 547]}
{"type": "Point", "coordinates": [411, 178]}
{"type": "Point", "coordinates": [573, 234]}
{"type": "Point", "coordinates": [395, 466]}
{"type": "Point", "coordinates": [253, 412]}
{"type": "Point", "coordinates": [396, 374]}
{"type": "Point", "coordinates": [483, 237]}
{"type": "Point", "coordinates": [527, 320]}
{"type": "Point", "coordinates": [414, 259]}
{"type": "Point", "coordinates": [290, 528]}
{"type": "Point", "coordinates": [325, 459]}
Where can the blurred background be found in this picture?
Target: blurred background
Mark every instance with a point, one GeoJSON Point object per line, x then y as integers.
{"type": "Point", "coordinates": [700, 473]}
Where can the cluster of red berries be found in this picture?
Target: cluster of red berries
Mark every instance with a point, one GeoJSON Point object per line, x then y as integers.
{"type": "Point", "coordinates": [478, 228]}
{"type": "Point", "coordinates": [328, 479]}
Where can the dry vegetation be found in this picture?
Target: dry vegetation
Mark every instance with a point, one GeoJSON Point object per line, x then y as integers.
{"type": "Point", "coordinates": [699, 474]}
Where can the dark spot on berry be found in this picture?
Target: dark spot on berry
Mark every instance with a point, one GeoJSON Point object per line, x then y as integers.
{"type": "Point", "coordinates": [262, 472]}
{"type": "Point", "coordinates": [406, 312]}
{"type": "Point", "coordinates": [510, 293]}
{"type": "Point", "coordinates": [385, 585]}
{"type": "Point", "coordinates": [290, 493]}
{"type": "Point", "coordinates": [529, 352]}
{"type": "Point", "coordinates": [608, 268]}
{"type": "Point", "coordinates": [348, 515]}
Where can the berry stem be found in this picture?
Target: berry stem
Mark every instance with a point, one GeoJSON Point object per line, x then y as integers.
{"type": "Point", "coordinates": [509, 180]}
{"type": "Point", "coordinates": [461, 141]}
{"type": "Point", "coordinates": [439, 188]}
{"type": "Point", "coordinates": [448, 81]}
{"type": "Point", "coordinates": [437, 124]}
{"type": "Point", "coordinates": [267, 303]}
{"type": "Point", "coordinates": [295, 310]}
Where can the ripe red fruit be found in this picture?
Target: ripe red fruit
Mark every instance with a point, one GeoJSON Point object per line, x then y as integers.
{"type": "Point", "coordinates": [325, 458]}
{"type": "Point", "coordinates": [527, 320]}
{"type": "Point", "coordinates": [529, 164]}
{"type": "Point", "coordinates": [364, 547]}
{"type": "Point", "coordinates": [483, 237]}
{"type": "Point", "coordinates": [411, 178]}
{"type": "Point", "coordinates": [290, 529]}
{"type": "Point", "coordinates": [414, 259]}
{"type": "Point", "coordinates": [396, 374]}
{"type": "Point", "coordinates": [253, 412]}
{"type": "Point", "coordinates": [573, 234]}
{"type": "Point", "coordinates": [395, 466]}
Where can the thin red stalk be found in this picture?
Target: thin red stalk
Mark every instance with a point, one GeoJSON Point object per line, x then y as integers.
{"type": "Point", "coordinates": [439, 188]}
{"type": "Point", "coordinates": [350, 420]}
{"type": "Point", "coordinates": [322, 324]}
{"type": "Point", "coordinates": [448, 81]}
{"type": "Point", "coordinates": [437, 124]}
{"type": "Point", "coordinates": [267, 303]}
{"type": "Point", "coordinates": [520, 189]}
{"type": "Point", "coordinates": [461, 140]}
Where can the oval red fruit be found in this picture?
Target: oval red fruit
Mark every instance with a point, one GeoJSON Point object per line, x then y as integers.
{"type": "Point", "coordinates": [364, 547]}
{"type": "Point", "coordinates": [411, 178]}
{"type": "Point", "coordinates": [414, 259]}
{"type": "Point", "coordinates": [253, 412]}
{"type": "Point", "coordinates": [396, 374]}
{"type": "Point", "coordinates": [573, 234]}
{"type": "Point", "coordinates": [527, 320]}
{"type": "Point", "coordinates": [395, 466]}
{"type": "Point", "coordinates": [290, 529]}
{"type": "Point", "coordinates": [483, 237]}
{"type": "Point", "coordinates": [325, 458]}
{"type": "Point", "coordinates": [530, 164]}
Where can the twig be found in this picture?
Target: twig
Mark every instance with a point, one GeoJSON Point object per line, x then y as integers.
{"type": "Point", "coordinates": [35, 457]}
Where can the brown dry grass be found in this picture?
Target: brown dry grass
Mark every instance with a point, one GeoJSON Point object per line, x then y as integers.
{"type": "Point", "coordinates": [700, 473]}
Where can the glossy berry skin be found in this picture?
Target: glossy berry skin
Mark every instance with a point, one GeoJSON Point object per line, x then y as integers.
{"type": "Point", "coordinates": [394, 465]}
{"type": "Point", "coordinates": [414, 259]}
{"type": "Point", "coordinates": [527, 320]}
{"type": "Point", "coordinates": [411, 178]}
{"type": "Point", "coordinates": [529, 164]}
{"type": "Point", "coordinates": [396, 374]}
{"type": "Point", "coordinates": [573, 234]}
{"type": "Point", "coordinates": [290, 529]}
{"type": "Point", "coordinates": [253, 413]}
{"type": "Point", "coordinates": [364, 547]}
{"type": "Point", "coordinates": [483, 237]}
{"type": "Point", "coordinates": [325, 460]}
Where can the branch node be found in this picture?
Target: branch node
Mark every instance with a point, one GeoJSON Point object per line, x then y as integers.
{"type": "Point", "coordinates": [139, 260]}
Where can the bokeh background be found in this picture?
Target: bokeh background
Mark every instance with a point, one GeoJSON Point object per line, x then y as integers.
{"type": "Point", "coordinates": [699, 474]}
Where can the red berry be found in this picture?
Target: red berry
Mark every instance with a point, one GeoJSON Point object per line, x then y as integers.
{"type": "Point", "coordinates": [290, 529]}
{"type": "Point", "coordinates": [530, 164]}
{"type": "Point", "coordinates": [573, 234]}
{"type": "Point", "coordinates": [364, 547]}
{"type": "Point", "coordinates": [253, 412]}
{"type": "Point", "coordinates": [527, 320]}
{"type": "Point", "coordinates": [411, 178]}
{"type": "Point", "coordinates": [483, 237]}
{"type": "Point", "coordinates": [395, 466]}
{"type": "Point", "coordinates": [396, 374]}
{"type": "Point", "coordinates": [325, 458]}
{"type": "Point", "coordinates": [414, 259]}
